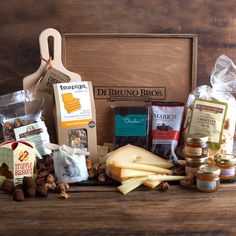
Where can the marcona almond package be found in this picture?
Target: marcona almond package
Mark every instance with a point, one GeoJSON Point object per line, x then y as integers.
{"type": "Point", "coordinates": [75, 116]}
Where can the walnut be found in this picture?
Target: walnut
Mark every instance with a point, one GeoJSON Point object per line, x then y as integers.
{"type": "Point", "coordinates": [101, 169]}
{"type": "Point", "coordinates": [102, 178]}
{"type": "Point", "coordinates": [165, 186]}
{"type": "Point", "coordinates": [51, 178]}
{"type": "Point", "coordinates": [64, 195]}
{"type": "Point", "coordinates": [51, 186]}
{"type": "Point", "coordinates": [89, 164]}
{"type": "Point", "coordinates": [63, 187]}
{"type": "Point", "coordinates": [91, 173]}
{"type": "Point", "coordinates": [18, 122]}
{"type": "Point", "coordinates": [8, 126]}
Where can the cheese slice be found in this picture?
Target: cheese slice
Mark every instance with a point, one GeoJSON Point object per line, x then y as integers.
{"type": "Point", "coordinates": [142, 167]}
{"type": "Point", "coordinates": [131, 185]}
{"type": "Point", "coordinates": [152, 184]}
{"type": "Point", "coordinates": [153, 163]}
{"type": "Point", "coordinates": [129, 173]}
{"type": "Point", "coordinates": [165, 178]}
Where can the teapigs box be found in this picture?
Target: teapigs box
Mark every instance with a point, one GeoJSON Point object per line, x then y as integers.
{"type": "Point", "coordinates": [17, 159]}
{"type": "Point", "coordinates": [75, 116]}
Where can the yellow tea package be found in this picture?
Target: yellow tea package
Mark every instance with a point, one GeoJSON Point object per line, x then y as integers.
{"type": "Point", "coordinates": [17, 159]}
{"type": "Point", "coordinates": [211, 110]}
{"type": "Point", "coordinates": [76, 119]}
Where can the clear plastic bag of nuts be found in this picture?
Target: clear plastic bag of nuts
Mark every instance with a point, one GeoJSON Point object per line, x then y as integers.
{"type": "Point", "coordinates": [210, 110]}
{"type": "Point", "coordinates": [17, 124]}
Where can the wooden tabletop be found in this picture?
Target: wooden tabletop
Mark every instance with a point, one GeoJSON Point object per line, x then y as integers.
{"type": "Point", "coordinates": [104, 211]}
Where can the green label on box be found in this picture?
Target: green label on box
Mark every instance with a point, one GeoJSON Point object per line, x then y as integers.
{"type": "Point", "coordinates": [131, 125]}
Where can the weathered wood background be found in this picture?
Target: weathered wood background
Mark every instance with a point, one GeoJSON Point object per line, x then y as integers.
{"type": "Point", "coordinates": [22, 21]}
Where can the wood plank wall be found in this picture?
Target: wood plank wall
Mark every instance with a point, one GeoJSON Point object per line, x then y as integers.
{"type": "Point", "coordinates": [22, 21]}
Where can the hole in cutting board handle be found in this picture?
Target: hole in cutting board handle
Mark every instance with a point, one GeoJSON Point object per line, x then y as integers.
{"type": "Point", "coordinates": [51, 46]}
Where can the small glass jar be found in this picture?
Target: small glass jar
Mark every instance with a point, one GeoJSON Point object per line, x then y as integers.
{"type": "Point", "coordinates": [208, 178]}
{"type": "Point", "coordinates": [226, 163]}
{"type": "Point", "coordinates": [192, 165]}
{"type": "Point", "coordinates": [196, 146]}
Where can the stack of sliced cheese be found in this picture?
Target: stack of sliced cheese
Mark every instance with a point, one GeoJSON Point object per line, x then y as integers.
{"type": "Point", "coordinates": [134, 166]}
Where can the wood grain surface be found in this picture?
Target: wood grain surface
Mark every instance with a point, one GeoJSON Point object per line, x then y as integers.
{"type": "Point", "coordinates": [131, 62]}
{"type": "Point", "coordinates": [104, 211]}
{"type": "Point", "coordinates": [22, 21]}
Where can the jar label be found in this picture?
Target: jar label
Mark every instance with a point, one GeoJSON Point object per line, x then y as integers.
{"type": "Point", "coordinates": [190, 170]}
{"type": "Point", "coordinates": [227, 172]}
{"type": "Point", "coordinates": [193, 151]}
{"type": "Point", "coordinates": [206, 185]}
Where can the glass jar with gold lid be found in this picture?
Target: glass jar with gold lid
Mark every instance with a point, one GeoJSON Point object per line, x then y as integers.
{"type": "Point", "coordinates": [196, 146]}
{"type": "Point", "coordinates": [226, 163]}
{"type": "Point", "coordinates": [208, 178]}
{"type": "Point", "coordinates": [192, 165]}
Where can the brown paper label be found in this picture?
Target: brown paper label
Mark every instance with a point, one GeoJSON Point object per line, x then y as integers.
{"type": "Point", "coordinates": [52, 76]}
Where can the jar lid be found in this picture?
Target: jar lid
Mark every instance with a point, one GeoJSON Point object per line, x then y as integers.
{"type": "Point", "coordinates": [198, 138]}
{"type": "Point", "coordinates": [209, 169]}
{"type": "Point", "coordinates": [225, 159]}
{"type": "Point", "coordinates": [196, 160]}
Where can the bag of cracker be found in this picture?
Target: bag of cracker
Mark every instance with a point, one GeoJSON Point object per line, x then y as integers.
{"type": "Point", "coordinates": [210, 111]}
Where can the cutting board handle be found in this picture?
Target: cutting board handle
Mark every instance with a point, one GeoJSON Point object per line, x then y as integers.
{"type": "Point", "coordinates": [30, 80]}
{"type": "Point", "coordinates": [56, 58]}
{"type": "Point", "coordinates": [44, 46]}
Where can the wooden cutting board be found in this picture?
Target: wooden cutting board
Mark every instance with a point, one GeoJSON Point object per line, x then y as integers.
{"type": "Point", "coordinates": [132, 67]}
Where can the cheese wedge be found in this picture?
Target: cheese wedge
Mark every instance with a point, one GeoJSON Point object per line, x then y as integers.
{"type": "Point", "coordinates": [129, 173]}
{"type": "Point", "coordinates": [142, 167]}
{"type": "Point", "coordinates": [114, 173]}
{"type": "Point", "coordinates": [130, 153]}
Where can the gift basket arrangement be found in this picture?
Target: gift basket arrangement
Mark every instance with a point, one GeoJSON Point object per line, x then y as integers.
{"type": "Point", "coordinates": [50, 135]}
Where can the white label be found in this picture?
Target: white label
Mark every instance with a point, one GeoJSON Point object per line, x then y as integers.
{"type": "Point", "coordinates": [37, 133]}
{"type": "Point", "coordinates": [227, 172]}
{"type": "Point", "coordinates": [206, 185]}
{"type": "Point", "coordinates": [74, 101]}
{"type": "Point", "coordinates": [166, 124]}
{"type": "Point", "coordinates": [193, 151]}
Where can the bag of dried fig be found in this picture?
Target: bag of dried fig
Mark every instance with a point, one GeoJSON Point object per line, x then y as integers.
{"type": "Point", "coordinates": [166, 125]}
{"type": "Point", "coordinates": [210, 111]}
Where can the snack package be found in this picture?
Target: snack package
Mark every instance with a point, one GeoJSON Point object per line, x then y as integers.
{"type": "Point", "coordinates": [131, 126]}
{"type": "Point", "coordinates": [76, 117]}
{"type": "Point", "coordinates": [166, 125]}
{"type": "Point", "coordinates": [17, 160]}
{"type": "Point", "coordinates": [17, 125]}
{"type": "Point", "coordinates": [69, 164]}
{"type": "Point", "coordinates": [210, 111]}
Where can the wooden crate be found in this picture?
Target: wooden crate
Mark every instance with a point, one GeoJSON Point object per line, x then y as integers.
{"type": "Point", "coordinates": [132, 67]}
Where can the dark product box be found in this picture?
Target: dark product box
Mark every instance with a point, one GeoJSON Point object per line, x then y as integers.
{"type": "Point", "coordinates": [131, 126]}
